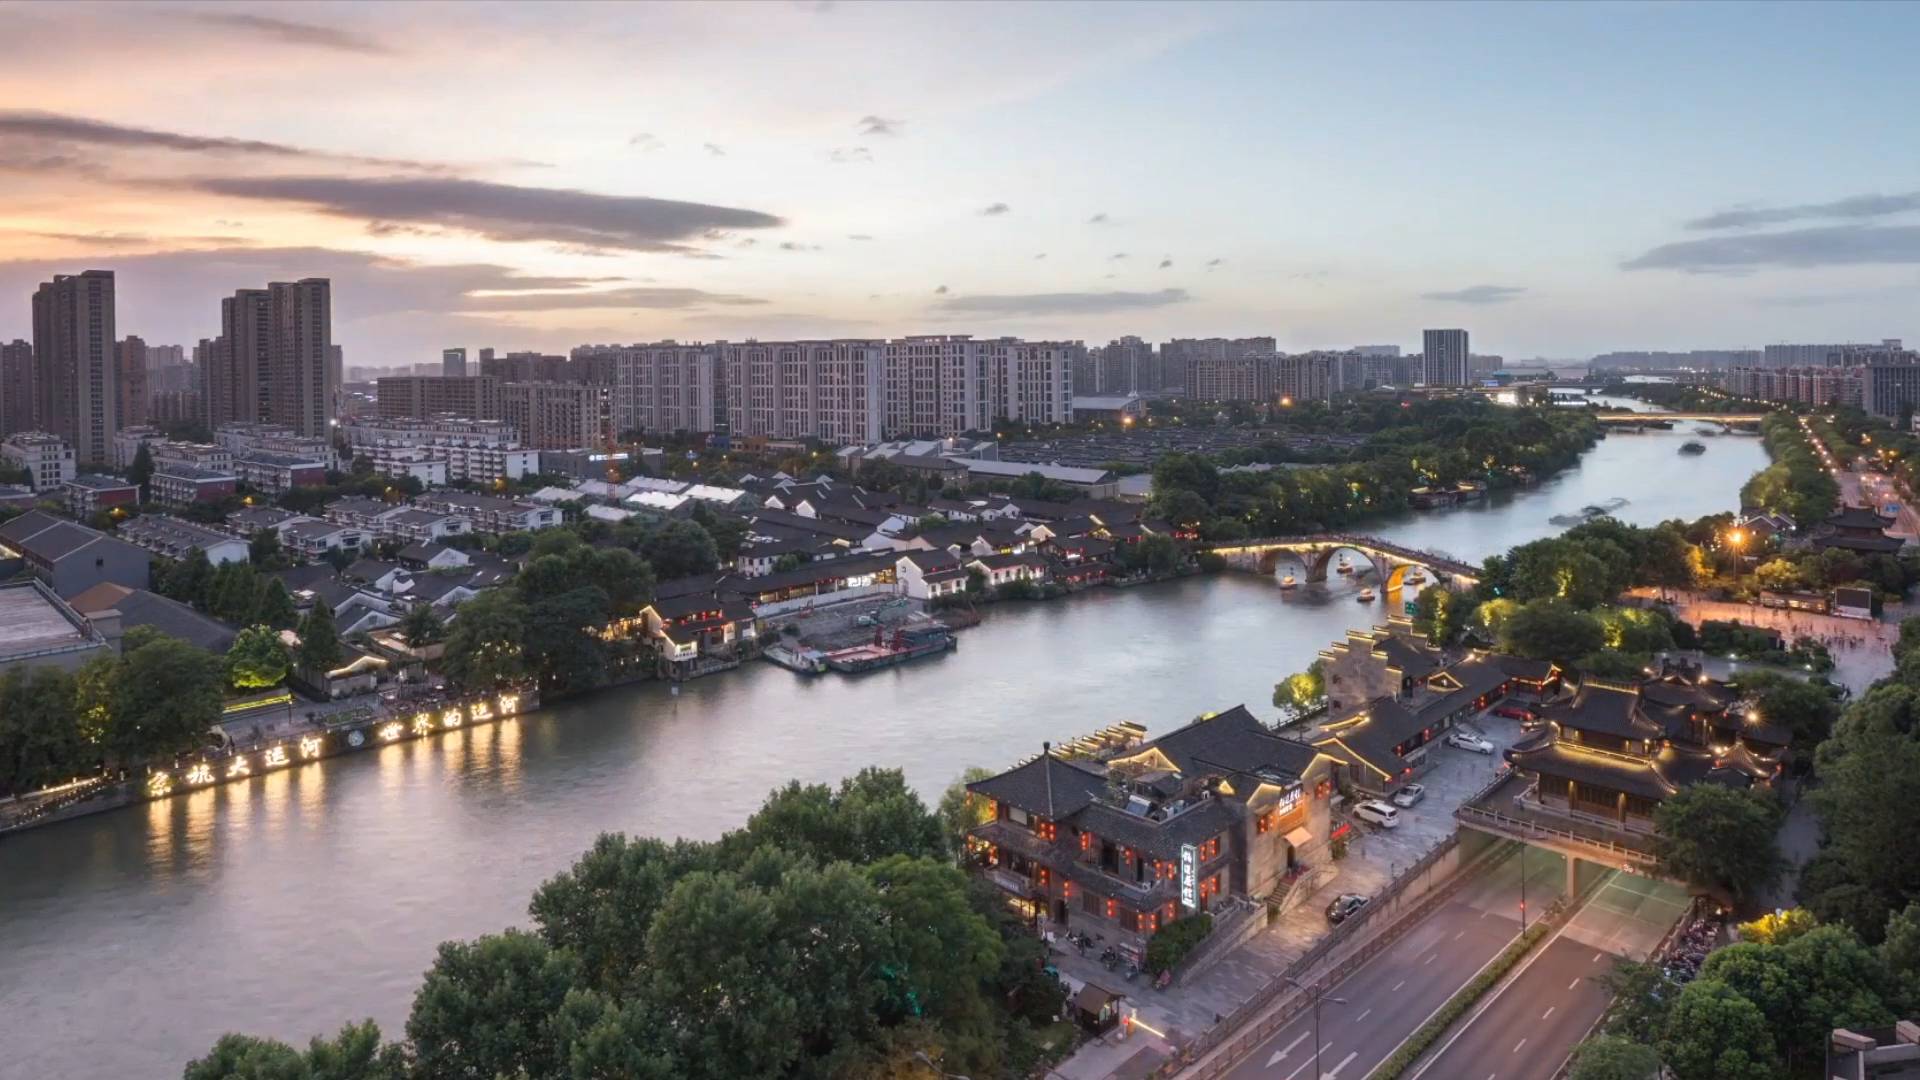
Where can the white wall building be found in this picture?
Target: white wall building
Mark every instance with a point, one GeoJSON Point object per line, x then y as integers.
{"type": "Point", "coordinates": [48, 459]}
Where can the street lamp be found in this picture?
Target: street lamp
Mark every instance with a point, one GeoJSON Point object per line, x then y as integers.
{"type": "Point", "coordinates": [1318, 996]}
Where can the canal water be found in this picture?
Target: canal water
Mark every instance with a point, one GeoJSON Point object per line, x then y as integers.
{"type": "Point", "coordinates": [129, 941]}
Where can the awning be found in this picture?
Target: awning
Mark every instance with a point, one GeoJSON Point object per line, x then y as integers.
{"type": "Point", "coordinates": [1299, 837]}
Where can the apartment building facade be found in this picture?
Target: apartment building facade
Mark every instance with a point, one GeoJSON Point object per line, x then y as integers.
{"type": "Point", "coordinates": [419, 396]}
{"type": "Point", "coordinates": [557, 415]}
{"type": "Point", "coordinates": [48, 459]}
{"type": "Point", "coordinates": [77, 363]}
{"type": "Point", "coordinates": [666, 388]}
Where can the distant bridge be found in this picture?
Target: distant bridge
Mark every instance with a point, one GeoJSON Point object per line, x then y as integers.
{"type": "Point", "coordinates": [1315, 552]}
{"type": "Point", "coordinates": [1688, 417]}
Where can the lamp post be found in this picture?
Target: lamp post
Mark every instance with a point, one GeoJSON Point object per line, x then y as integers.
{"type": "Point", "coordinates": [1523, 888]}
{"type": "Point", "coordinates": [921, 1057]}
{"type": "Point", "coordinates": [1318, 996]}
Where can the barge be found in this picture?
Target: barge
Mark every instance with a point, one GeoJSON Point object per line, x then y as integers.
{"type": "Point", "coordinates": [905, 644]}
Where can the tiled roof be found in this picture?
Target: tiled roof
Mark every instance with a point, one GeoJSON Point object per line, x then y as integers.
{"type": "Point", "coordinates": [1046, 786]}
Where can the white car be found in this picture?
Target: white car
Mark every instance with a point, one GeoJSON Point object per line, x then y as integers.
{"type": "Point", "coordinates": [1375, 812]}
{"type": "Point", "coordinates": [1409, 795]}
{"type": "Point", "coordinates": [1467, 741]}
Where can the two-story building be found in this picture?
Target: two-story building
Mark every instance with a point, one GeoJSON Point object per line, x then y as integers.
{"type": "Point", "coordinates": [1125, 844]}
{"type": "Point", "coordinates": [90, 493]}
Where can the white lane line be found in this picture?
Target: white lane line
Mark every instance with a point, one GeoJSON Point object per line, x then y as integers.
{"type": "Point", "coordinates": [1397, 986]}
{"type": "Point", "coordinates": [1596, 958]}
{"type": "Point", "coordinates": [1335, 1071]}
{"type": "Point", "coordinates": [1431, 957]}
{"type": "Point", "coordinates": [1574, 985]}
{"type": "Point", "coordinates": [1548, 1013]}
{"type": "Point", "coordinates": [1459, 935]}
{"type": "Point", "coordinates": [1362, 1016]}
{"type": "Point", "coordinates": [1518, 1045]}
{"type": "Point", "coordinates": [1288, 1049]}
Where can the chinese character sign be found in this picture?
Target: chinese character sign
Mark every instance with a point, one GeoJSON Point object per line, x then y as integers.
{"type": "Point", "coordinates": [1189, 877]}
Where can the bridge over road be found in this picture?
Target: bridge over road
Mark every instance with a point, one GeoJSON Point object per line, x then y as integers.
{"type": "Point", "coordinates": [1390, 561]}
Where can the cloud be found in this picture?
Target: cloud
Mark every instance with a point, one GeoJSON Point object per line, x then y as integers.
{"type": "Point", "coordinates": [713, 150]}
{"type": "Point", "coordinates": [849, 155]}
{"type": "Point", "coordinates": [632, 297]}
{"type": "Point", "coordinates": [1476, 294]}
{"type": "Point", "coordinates": [1042, 255]}
{"type": "Point", "coordinates": [995, 210]}
{"type": "Point", "coordinates": [790, 245]}
{"type": "Point", "coordinates": [941, 291]}
{"type": "Point", "coordinates": [290, 32]}
{"type": "Point", "coordinates": [1164, 263]}
{"type": "Point", "coordinates": [1098, 219]}
{"type": "Point", "coordinates": [1211, 263]}
{"type": "Point", "coordinates": [498, 211]}
{"type": "Point", "coordinates": [1083, 303]}
{"type": "Point", "coordinates": [880, 125]}
{"type": "Point", "coordinates": [1828, 245]}
{"type": "Point", "coordinates": [858, 236]}
{"type": "Point", "coordinates": [124, 240]}
{"type": "Point", "coordinates": [1116, 256]}
{"type": "Point", "coordinates": [25, 132]}
{"type": "Point", "coordinates": [645, 141]}
{"type": "Point", "coordinates": [1854, 207]}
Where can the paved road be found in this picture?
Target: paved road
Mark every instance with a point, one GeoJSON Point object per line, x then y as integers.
{"type": "Point", "coordinates": [1393, 994]}
{"type": "Point", "coordinates": [1531, 1024]}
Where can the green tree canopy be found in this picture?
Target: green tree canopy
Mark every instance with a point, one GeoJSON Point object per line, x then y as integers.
{"type": "Point", "coordinates": [1610, 1057]}
{"type": "Point", "coordinates": [257, 659]}
{"type": "Point", "coordinates": [1551, 630]}
{"type": "Point", "coordinates": [488, 1009]}
{"type": "Point", "coordinates": [1715, 1034]}
{"type": "Point", "coordinates": [1719, 837]}
{"type": "Point", "coordinates": [320, 648]}
{"type": "Point", "coordinates": [486, 647]}
{"type": "Point", "coordinates": [680, 549]}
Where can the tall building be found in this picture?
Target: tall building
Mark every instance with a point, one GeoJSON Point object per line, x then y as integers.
{"type": "Point", "coordinates": [1814, 355]}
{"type": "Point", "coordinates": [1179, 359]}
{"type": "Point", "coordinates": [133, 381]}
{"type": "Point", "coordinates": [665, 388]}
{"type": "Point", "coordinates": [1445, 359]}
{"type": "Point", "coordinates": [16, 387]}
{"type": "Point", "coordinates": [828, 390]}
{"type": "Point", "coordinates": [1126, 365]}
{"type": "Point", "coordinates": [946, 384]}
{"type": "Point", "coordinates": [1305, 377]}
{"type": "Point", "coordinates": [300, 343]}
{"type": "Point", "coordinates": [556, 416]}
{"type": "Point", "coordinates": [476, 398]}
{"type": "Point", "coordinates": [1377, 350]}
{"type": "Point", "coordinates": [1222, 378]}
{"type": "Point", "coordinates": [1892, 383]}
{"type": "Point", "coordinates": [453, 363]}
{"type": "Point", "coordinates": [237, 377]}
{"type": "Point", "coordinates": [76, 364]}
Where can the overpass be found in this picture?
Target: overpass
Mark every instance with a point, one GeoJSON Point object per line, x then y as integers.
{"type": "Point", "coordinates": [1316, 551]}
{"type": "Point", "coordinates": [1687, 417]}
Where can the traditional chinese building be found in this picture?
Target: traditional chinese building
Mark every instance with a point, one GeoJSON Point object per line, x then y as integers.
{"type": "Point", "coordinates": [1123, 845]}
{"type": "Point", "coordinates": [1859, 529]}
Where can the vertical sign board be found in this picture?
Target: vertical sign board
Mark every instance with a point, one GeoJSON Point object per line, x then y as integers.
{"type": "Point", "coordinates": [1189, 877]}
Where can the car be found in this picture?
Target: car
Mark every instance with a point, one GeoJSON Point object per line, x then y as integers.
{"type": "Point", "coordinates": [1409, 795]}
{"type": "Point", "coordinates": [1375, 812]}
{"type": "Point", "coordinates": [1469, 741]}
{"type": "Point", "coordinates": [1344, 906]}
{"type": "Point", "coordinates": [1515, 712]}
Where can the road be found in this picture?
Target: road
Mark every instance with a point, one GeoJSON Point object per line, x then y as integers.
{"type": "Point", "coordinates": [1394, 993]}
{"type": "Point", "coordinates": [1530, 1025]}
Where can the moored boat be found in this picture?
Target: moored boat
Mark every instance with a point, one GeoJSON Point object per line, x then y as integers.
{"type": "Point", "coordinates": [1366, 596]}
{"type": "Point", "coordinates": [1288, 582]}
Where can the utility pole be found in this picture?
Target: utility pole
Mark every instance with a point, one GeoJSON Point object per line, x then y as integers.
{"type": "Point", "coordinates": [1318, 995]}
{"type": "Point", "coordinates": [1523, 888]}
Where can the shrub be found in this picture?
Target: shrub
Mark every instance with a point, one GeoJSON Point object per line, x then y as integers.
{"type": "Point", "coordinates": [1172, 942]}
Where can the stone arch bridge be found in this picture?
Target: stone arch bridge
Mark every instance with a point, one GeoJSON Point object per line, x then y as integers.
{"type": "Point", "coordinates": [1390, 561]}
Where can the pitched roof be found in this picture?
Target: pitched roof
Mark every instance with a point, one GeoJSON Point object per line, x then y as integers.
{"type": "Point", "coordinates": [1046, 786]}
{"type": "Point", "coordinates": [139, 607]}
{"type": "Point", "coordinates": [1229, 742]}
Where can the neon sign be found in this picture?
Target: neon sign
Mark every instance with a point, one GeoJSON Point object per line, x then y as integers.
{"type": "Point", "coordinates": [1189, 877]}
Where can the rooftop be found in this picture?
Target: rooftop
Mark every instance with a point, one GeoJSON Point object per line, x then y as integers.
{"type": "Point", "coordinates": [34, 622]}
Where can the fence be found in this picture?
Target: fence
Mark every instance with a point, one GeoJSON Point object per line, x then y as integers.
{"type": "Point", "coordinates": [1246, 1028]}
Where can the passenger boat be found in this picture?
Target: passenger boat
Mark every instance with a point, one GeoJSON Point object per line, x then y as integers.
{"type": "Point", "coordinates": [1366, 596]}
{"type": "Point", "coordinates": [1288, 582]}
{"type": "Point", "coordinates": [1691, 447]}
{"type": "Point", "coordinates": [1344, 566]}
{"type": "Point", "coordinates": [1414, 577]}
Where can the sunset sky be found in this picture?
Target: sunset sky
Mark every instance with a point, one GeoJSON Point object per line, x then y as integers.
{"type": "Point", "coordinates": [1560, 180]}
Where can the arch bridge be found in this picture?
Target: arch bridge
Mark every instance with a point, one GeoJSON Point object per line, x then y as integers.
{"type": "Point", "coordinates": [1390, 561]}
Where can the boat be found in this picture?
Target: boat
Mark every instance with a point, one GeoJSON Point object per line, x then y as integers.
{"type": "Point", "coordinates": [1414, 577]}
{"type": "Point", "coordinates": [906, 644]}
{"type": "Point", "coordinates": [1344, 567]}
{"type": "Point", "coordinates": [1366, 596]}
{"type": "Point", "coordinates": [1691, 447]}
{"type": "Point", "coordinates": [1288, 582]}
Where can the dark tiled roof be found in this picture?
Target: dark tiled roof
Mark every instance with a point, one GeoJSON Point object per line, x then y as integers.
{"type": "Point", "coordinates": [1046, 786]}
{"type": "Point", "coordinates": [142, 608]}
{"type": "Point", "coordinates": [929, 561]}
{"type": "Point", "coordinates": [1204, 821]}
{"type": "Point", "coordinates": [1607, 771]}
{"type": "Point", "coordinates": [1229, 742]}
{"type": "Point", "coordinates": [1531, 670]}
{"type": "Point", "coordinates": [1858, 517]}
{"type": "Point", "coordinates": [1872, 545]}
{"type": "Point", "coordinates": [823, 570]}
{"type": "Point", "coordinates": [1606, 710]}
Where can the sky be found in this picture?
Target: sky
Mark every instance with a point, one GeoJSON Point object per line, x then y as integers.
{"type": "Point", "coordinates": [1561, 180]}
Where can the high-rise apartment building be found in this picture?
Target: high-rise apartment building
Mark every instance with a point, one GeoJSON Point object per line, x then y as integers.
{"type": "Point", "coordinates": [945, 384]}
{"type": "Point", "coordinates": [238, 379]}
{"type": "Point", "coordinates": [1815, 355]}
{"type": "Point", "coordinates": [1126, 365]}
{"type": "Point", "coordinates": [453, 363]}
{"type": "Point", "coordinates": [1445, 361]}
{"type": "Point", "coordinates": [1305, 377]}
{"type": "Point", "coordinates": [1217, 377]}
{"type": "Point", "coordinates": [476, 397]}
{"type": "Point", "coordinates": [16, 387]}
{"type": "Point", "coordinates": [133, 381]}
{"type": "Point", "coordinates": [1179, 357]}
{"type": "Point", "coordinates": [662, 388]}
{"type": "Point", "coordinates": [300, 369]}
{"type": "Point", "coordinates": [556, 416]}
{"type": "Point", "coordinates": [1892, 384]}
{"type": "Point", "coordinates": [1377, 350]}
{"type": "Point", "coordinates": [76, 363]}
{"type": "Point", "coordinates": [828, 390]}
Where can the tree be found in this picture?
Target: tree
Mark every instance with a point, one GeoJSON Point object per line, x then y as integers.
{"type": "Point", "coordinates": [873, 814]}
{"type": "Point", "coordinates": [1441, 613]}
{"type": "Point", "coordinates": [1155, 554]}
{"type": "Point", "coordinates": [1551, 630]}
{"type": "Point", "coordinates": [681, 549]}
{"type": "Point", "coordinates": [715, 975]}
{"type": "Point", "coordinates": [487, 1009]}
{"type": "Point", "coordinates": [141, 471]}
{"type": "Point", "coordinates": [1870, 865]}
{"type": "Point", "coordinates": [167, 697]}
{"type": "Point", "coordinates": [1719, 838]}
{"type": "Point", "coordinates": [243, 1057]}
{"type": "Point", "coordinates": [320, 649]}
{"type": "Point", "coordinates": [40, 741]}
{"type": "Point", "coordinates": [1778, 927]}
{"type": "Point", "coordinates": [257, 659]}
{"type": "Point", "coordinates": [275, 606]}
{"type": "Point", "coordinates": [960, 812]}
{"type": "Point", "coordinates": [1610, 1057]}
{"type": "Point", "coordinates": [263, 548]}
{"type": "Point", "coordinates": [485, 648]}
{"type": "Point", "coordinates": [1642, 997]}
{"type": "Point", "coordinates": [422, 626]}
{"type": "Point", "coordinates": [188, 578]}
{"type": "Point", "coordinates": [563, 646]}
{"type": "Point", "coordinates": [1900, 955]}
{"type": "Point", "coordinates": [1302, 692]}
{"type": "Point", "coordinates": [1715, 1034]}
{"type": "Point", "coordinates": [600, 908]}
{"type": "Point", "coordinates": [1805, 709]}
{"type": "Point", "coordinates": [946, 949]}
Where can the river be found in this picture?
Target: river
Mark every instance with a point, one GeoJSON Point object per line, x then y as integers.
{"type": "Point", "coordinates": [130, 940]}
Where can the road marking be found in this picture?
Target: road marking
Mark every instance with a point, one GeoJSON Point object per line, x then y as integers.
{"type": "Point", "coordinates": [1548, 1013]}
{"type": "Point", "coordinates": [1459, 935]}
{"type": "Point", "coordinates": [1351, 1054]}
{"type": "Point", "coordinates": [1596, 958]}
{"type": "Point", "coordinates": [1518, 1045]}
{"type": "Point", "coordinates": [1362, 1016]}
{"type": "Point", "coordinates": [1278, 1054]}
{"type": "Point", "coordinates": [1431, 957]}
{"type": "Point", "coordinates": [1574, 985]}
{"type": "Point", "coordinates": [1397, 986]}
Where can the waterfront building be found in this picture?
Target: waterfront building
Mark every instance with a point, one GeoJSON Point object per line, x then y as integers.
{"type": "Point", "coordinates": [76, 363]}
{"type": "Point", "coordinates": [1121, 837]}
{"type": "Point", "coordinates": [1858, 529]}
{"type": "Point", "coordinates": [68, 556]}
{"type": "Point", "coordinates": [1445, 359]}
{"type": "Point", "coordinates": [48, 459]}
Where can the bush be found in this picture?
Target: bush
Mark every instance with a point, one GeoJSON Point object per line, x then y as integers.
{"type": "Point", "coordinates": [1172, 942]}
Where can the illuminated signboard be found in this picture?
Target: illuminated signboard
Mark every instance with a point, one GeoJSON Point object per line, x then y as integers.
{"type": "Point", "coordinates": [1189, 877]}
{"type": "Point", "coordinates": [1289, 799]}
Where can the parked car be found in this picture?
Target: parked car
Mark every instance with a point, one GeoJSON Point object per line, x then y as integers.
{"type": "Point", "coordinates": [1375, 812]}
{"type": "Point", "coordinates": [1516, 712]}
{"type": "Point", "coordinates": [1409, 795]}
{"type": "Point", "coordinates": [1343, 906]}
{"type": "Point", "coordinates": [1467, 741]}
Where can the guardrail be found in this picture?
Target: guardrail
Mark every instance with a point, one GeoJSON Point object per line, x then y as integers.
{"type": "Point", "coordinates": [1520, 828]}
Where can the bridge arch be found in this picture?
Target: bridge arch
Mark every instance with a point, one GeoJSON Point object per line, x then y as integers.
{"type": "Point", "coordinates": [1316, 553]}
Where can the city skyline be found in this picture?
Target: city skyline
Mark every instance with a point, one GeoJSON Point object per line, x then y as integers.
{"type": "Point", "coordinates": [1300, 177]}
